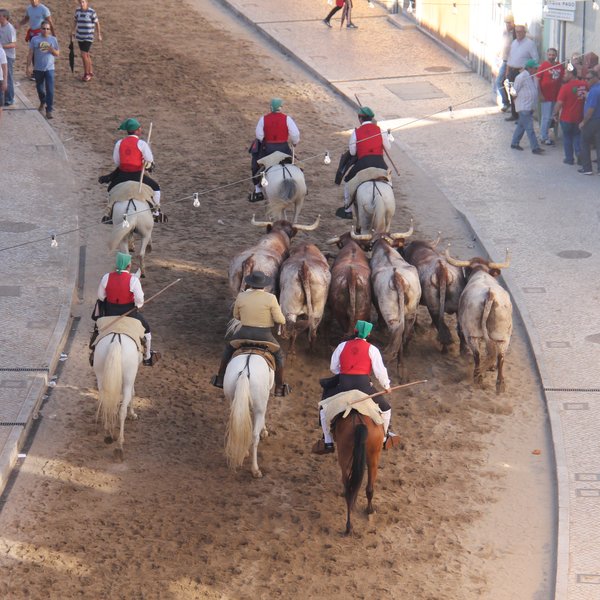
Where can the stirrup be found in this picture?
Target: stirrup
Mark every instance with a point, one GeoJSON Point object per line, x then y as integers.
{"type": "Point", "coordinates": [106, 219]}
{"type": "Point", "coordinates": [92, 358]}
{"type": "Point", "coordinates": [391, 441]}
{"type": "Point", "coordinates": [217, 381]}
{"type": "Point", "coordinates": [256, 197]}
{"type": "Point", "coordinates": [282, 390]}
{"type": "Point", "coordinates": [154, 358]}
{"type": "Point", "coordinates": [320, 447]}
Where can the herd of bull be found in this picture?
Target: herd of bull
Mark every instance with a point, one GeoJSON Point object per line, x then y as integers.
{"type": "Point", "coordinates": [396, 278]}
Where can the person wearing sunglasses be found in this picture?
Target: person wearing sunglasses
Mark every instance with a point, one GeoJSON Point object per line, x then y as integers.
{"type": "Point", "coordinates": [43, 50]}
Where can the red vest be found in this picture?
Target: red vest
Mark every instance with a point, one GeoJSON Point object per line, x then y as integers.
{"type": "Point", "coordinates": [130, 156]}
{"type": "Point", "coordinates": [117, 288]}
{"type": "Point", "coordinates": [276, 129]}
{"type": "Point", "coordinates": [355, 359]}
{"type": "Point", "coordinates": [369, 140]}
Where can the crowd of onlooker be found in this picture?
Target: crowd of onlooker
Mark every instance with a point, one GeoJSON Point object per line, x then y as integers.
{"type": "Point", "coordinates": [567, 93]}
{"type": "Point", "coordinates": [43, 49]}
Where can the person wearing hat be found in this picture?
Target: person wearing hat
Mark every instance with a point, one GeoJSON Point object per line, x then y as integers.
{"type": "Point", "coordinates": [525, 95]}
{"type": "Point", "coordinates": [258, 312]}
{"type": "Point", "coordinates": [508, 36]}
{"type": "Point", "coordinates": [351, 363]}
{"type": "Point", "coordinates": [121, 292]}
{"type": "Point", "coordinates": [274, 131]}
{"type": "Point", "coordinates": [130, 154]}
{"type": "Point", "coordinates": [368, 144]}
{"type": "Point", "coordinates": [522, 49]}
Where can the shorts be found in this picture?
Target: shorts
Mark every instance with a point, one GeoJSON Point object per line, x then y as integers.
{"type": "Point", "coordinates": [84, 46]}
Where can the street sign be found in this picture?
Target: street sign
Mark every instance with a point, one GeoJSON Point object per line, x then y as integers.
{"type": "Point", "coordinates": [561, 10]}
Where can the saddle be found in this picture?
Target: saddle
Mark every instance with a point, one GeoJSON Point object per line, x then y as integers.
{"type": "Point", "coordinates": [128, 326]}
{"type": "Point", "coordinates": [130, 190]}
{"type": "Point", "coordinates": [368, 174]}
{"type": "Point", "coordinates": [275, 158]}
{"type": "Point", "coordinates": [259, 351]}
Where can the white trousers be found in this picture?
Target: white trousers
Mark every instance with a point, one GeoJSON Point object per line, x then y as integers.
{"type": "Point", "coordinates": [148, 337]}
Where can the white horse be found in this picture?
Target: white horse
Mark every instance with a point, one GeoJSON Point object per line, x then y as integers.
{"type": "Point", "coordinates": [247, 383]}
{"type": "Point", "coordinates": [116, 362]}
{"type": "Point", "coordinates": [139, 220]}
{"type": "Point", "coordinates": [285, 188]}
{"type": "Point", "coordinates": [374, 207]}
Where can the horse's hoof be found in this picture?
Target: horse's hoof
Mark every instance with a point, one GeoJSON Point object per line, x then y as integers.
{"type": "Point", "coordinates": [264, 434]}
{"type": "Point", "coordinates": [500, 388]}
{"type": "Point", "coordinates": [108, 439]}
{"type": "Point", "coordinates": [133, 416]}
{"type": "Point", "coordinates": [118, 454]}
{"type": "Point", "coordinates": [257, 474]}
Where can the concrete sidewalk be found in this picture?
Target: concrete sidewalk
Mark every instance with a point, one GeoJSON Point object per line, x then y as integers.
{"type": "Point", "coordinates": [542, 209]}
{"type": "Point", "coordinates": [38, 281]}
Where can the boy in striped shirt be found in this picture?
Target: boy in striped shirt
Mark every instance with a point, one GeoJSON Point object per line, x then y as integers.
{"type": "Point", "coordinates": [85, 22]}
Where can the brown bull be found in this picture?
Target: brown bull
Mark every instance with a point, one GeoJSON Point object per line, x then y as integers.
{"type": "Point", "coordinates": [441, 285]}
{"type": "Point", "coordinates": [484, 314]}
{"type": "Point", "coordinates": [304, 282]}
{"type": "Point", "coordinates": [266, 255]}
{"type": "Point", "coordinates": [396, 291]}
{"type": "Point", "coordinates": [350, 289]}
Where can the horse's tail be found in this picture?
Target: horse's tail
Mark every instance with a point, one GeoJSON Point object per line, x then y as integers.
{"type": "Point", "coordinates": [379, 211]}
{"type": "Point", "coordinates": [359, 460]}
{"type": "Point", "coordinates": [109, 395]}
{"type": "Point", "coordinates": [280, 200]}
{"type": "Point", "coordinates": [118, 234]}
{"type": "Point", "coordinates": [239, 429]}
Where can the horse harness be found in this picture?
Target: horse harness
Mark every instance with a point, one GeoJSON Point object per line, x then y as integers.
{"type": "Point", "coordinates": [374, 189]}
{"type": "Point", "coordinates": [256, 351]}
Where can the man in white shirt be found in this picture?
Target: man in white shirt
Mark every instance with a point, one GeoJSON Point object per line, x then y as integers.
{"type": "Point", "coordinates": [8, 42]}
{"type": "Point", "coordinates": [525, 98]}
{"type": "Point", "coordinates": [521, 50]}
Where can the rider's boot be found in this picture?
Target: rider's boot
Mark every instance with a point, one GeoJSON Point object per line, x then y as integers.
{"type": "Point", "coordinates": [391, 439]}
{"type": "Point", "coordinates": [325, 444]}
{"type": "Point", "coordinates": [91, 344]}
{"type": "Point", "coordinates": [345, 212]}
{"type": "Point", "coordinates": [217, 380]}
{"type": "Point", "coordinates": [281, 388]}
{"type": "Point", "coordinates": [151, 357]}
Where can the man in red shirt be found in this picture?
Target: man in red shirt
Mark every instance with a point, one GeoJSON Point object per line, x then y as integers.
{"type": "Point", "coordinates": [550, 75]}
{"type": "Point", "coordinates": [569, 107]}
{"type": "Point", "coordinates": [351, 363]}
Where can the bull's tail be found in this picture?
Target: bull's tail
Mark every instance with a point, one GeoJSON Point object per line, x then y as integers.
{"type": "Point", "coordinates": [352, 283]}
{"type": "Point", "coordinates": [444, 336]}
{"type": "Point", "coordinates": [487, 308]}
{"type": "Point", "coordinates": [395, 346]}
{"type": "Point", "coordinates": [247, 268]}
{"type": "Point", "coordinates": [304, 275]}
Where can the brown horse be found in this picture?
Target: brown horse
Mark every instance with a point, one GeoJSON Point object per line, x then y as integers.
{"type": "Point", "coordinates": [359, 442]}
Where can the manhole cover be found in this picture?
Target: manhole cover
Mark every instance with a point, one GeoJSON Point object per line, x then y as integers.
{"type": "Point", "coordinates": [438, 69]}
{"type": "Point", "coordinates": [417, 90]}
{"type": "Point", "coordinates": [16, 227]}
{"type": "Point", "coordinates": [574, 254]}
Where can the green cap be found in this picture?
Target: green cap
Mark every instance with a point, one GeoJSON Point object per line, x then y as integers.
{"type": "Point", "coordinates": [276, 104]}
{"type": "Point", "coordinates": [363, 329]}
{"type": "Point", "coordinates": [532, 64]}
{"type": "Point", "coordinates": [129, 125]}
{"type": "Point", "coordinates": [365, 111]}
{"type": "Point", "coordinates": [123, 261]}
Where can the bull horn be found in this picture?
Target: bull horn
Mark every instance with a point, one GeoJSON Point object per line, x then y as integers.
{"type": "Point", "coordinates": [437, 241]}
{"type": "Point", "coordinates": [503, 265]}
{"type": "Point", "coordinates": [308, 227]}
{"type": "Point", "coordinates": [399, 236]}
{"type": "Point", "coordinates": [260, 223]}
{"type": "Point", "coordinates": [334, 240]}
{"type": "Point", "coordinates": [362, 237]}
{"type": "Point", "coordinates": [455, 262]}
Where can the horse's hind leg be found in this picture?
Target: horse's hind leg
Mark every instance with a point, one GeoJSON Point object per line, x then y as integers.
{"type": "Point", "coordinates": [122, 416]}
{"type": "Point", "coordinates": [259, 426]}
{"type": "Point", "coordinates": [374, 446]}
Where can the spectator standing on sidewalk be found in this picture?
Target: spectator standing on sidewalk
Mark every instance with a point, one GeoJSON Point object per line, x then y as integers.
{"type": "Point", "coordinates": [339, 4]}
{"type": "Point", "coordinates": [35, 14]}
{"type": "Point", "coordinates": [3, 78]}
{"type": "Point", "coordinates": [550, 76]}
{"type": "Point", "coordinates": [8, 41]}
{"type": "Point", "coordinates": [43, 49]}
{"type": "Point", "coordinates": [590, 125]}
{"type": "Point", "coordinates": [525, 96]}
{"type": "Point", "coordinates": [508, 37]}
{"type": "Point", "coordinates": [84, 24]}
{"type": "Point", "coordinates": [522, 49]}
{"type": "Point", "coordinates": [569, 108]}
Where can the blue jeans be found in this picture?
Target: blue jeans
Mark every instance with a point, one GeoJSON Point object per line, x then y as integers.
{"type": "Point", "coordinates": [590, 133]}
{"type": "Point", "coordinates": [525, 125]}
{"type": "Point", "coordinates": [9, 97]}
{"type": "Point", "coordinates": [571, 140]}
{"type": "Point", "coordinates": [546, 117]}
{"type": "Point", "coordinates": [44, 84]}
{"type": "Point", "coordinates": [500, 84]}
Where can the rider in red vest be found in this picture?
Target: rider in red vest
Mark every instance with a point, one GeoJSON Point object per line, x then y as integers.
{"type": "Point", "coordinates": [121, 291]}
{"type": "Point", "coordinates": [130, 154]}
{"type": "Point", "coordinates": [273, 131]}
{"type": "Point", "coordinates": [368, 144]}
{"type": "Point", "coordinates": [352, 363]}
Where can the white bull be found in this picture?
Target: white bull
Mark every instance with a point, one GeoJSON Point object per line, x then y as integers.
{"type": "Point", "coordinates": [304, 281]}
{"type": "Point", "coordinates": [396, 291]}
{"type": "Point", "coordinates": [485, 315]}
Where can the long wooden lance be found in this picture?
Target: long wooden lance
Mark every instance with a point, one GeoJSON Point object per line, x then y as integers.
{"type": "Point", "coordinates": [146, 302]}
{"type": "Point", "coordinates": [392, 389]}
{"type": "Point", "coordinates": [384, 149]}
{"type": "Point", "coordinates": [144, 162]}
